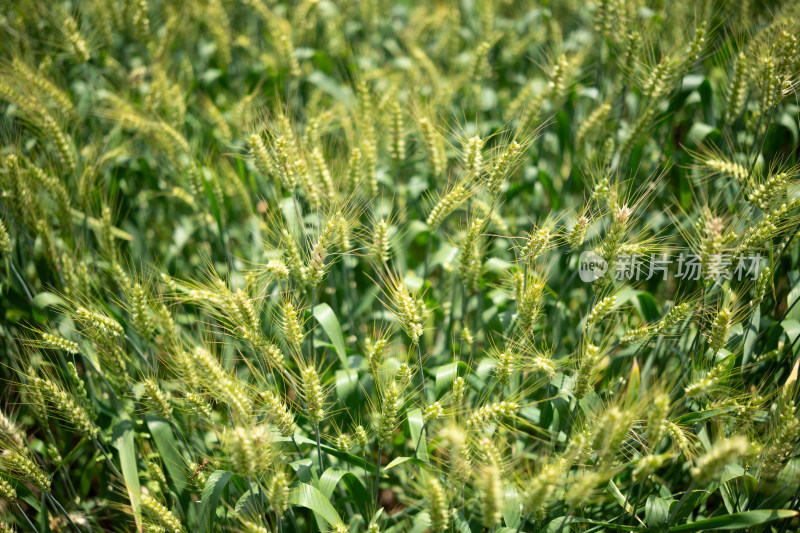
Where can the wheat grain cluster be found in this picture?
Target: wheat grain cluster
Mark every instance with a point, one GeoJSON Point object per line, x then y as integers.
{"type": "Point", "coordinates": [362, 266]}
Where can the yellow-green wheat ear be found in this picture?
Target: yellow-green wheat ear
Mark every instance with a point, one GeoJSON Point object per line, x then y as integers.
{"type": "Point", "coordinates": [313, 395]}
{"type": "Point", "coordinates": [5, 239]}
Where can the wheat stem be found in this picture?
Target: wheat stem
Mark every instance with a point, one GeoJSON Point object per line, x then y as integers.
{"type": "Point", "coordinates": [63, 511]}
{"type": "Point", "coordinates": [319, 449]}
{"type": "Point", "coordinates": [378, 476]}
{"type": "Point", "coordinates": [428, 248]}
{"type": "Point", "coordinates": [28, 520]}
{"type": "Point", "coordinates": [421, 368]}
{"type": "Point", "coordinates": [102, 450]}
{"type": "Point", "coordinates": [21, 281]}
{"type": "Point", "coordinates": [680, 504]}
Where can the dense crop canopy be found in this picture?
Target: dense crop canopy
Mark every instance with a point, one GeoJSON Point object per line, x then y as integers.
{"type": "Point", "coordinates": [373, 266]}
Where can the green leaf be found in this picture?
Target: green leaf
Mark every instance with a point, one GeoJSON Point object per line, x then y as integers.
{"type": "Point", "coordinates": [48, 299]}
{"type": "Point", "coordinates": [304, 469]}
{"type": "Point", "coordinates": [216, 209]}
{"type": "Point", "coordinates": [560, 524]}
{"type": "Point", "coordinates": [446, 374]}
{"type": "Point", "coordinates": [329, 85]}
{"type": "Point", "coordinates": [421, 523]}
{"type": "Point", "coordinates": [632, 395]}
{"type": "Point", "coordinates": [307, 496]}
{"type": "Point", "coordinates": [396, 461]}
{"type": "Point", "coordinates": [656, 512]}
{"type": "Point", "coordinates": [736, 521]}
{"type": "Point", "coordinates": [794, 294]}
{"type": "Point", "coordinates": [331, 477]}
{"type": "Point", "coordinates": [621, 500]}
{"type": "Point", "coordinates": [792, 329]}
{"type": "Point", "coordinates": [752, 333]}
{"type": "Point", "coordinates": [607, 526]}
{"type": "Point", "coordinates": [250, 502]}
{"type": "Point", "coordinates": [512, 512]}
{"type": "Point", "coordinates": [790, 123]}
{"type": "Point", "coordinates": [344, 456]}
{"type": "Point", "coordinates": [44, 521]}
{"type": "Point", "coordinates": [96, 224]}
{"type": "Point", "coordinates": [705, 91]}
{"type": "Point", "coordinates": [461, 523]}
{"type": "Point", "coordinates": [648, 307]}
{"type": "Point", "coordinates": [552, 193]}
{"type": "Point", "coordinates": [400, 460]}
{"type": "Point", "coordinates": [167, 446]}
{"type": "Point", "coordinates": [126, 446]}
{"type": "Point", "coordinates": [699, 132]}
{"type": "Point", "coordinates": [42, 301]}
{"type": "Point", "coordinates": [417, 433]}
{"type": "Point", "coordinates": [355, 488]}
{"type": "Point", "coordinates": [210, 498]}
{"type": "Point", "coordinates": [693, 418]}
{"type": "Point", "coordinates": [330, 324]}
{"type": "Point", "coordinates": [643, 301]}
{"type": "Point", "coordinates": [346, 383]}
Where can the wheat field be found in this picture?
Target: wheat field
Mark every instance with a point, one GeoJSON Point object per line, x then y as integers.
{"type": "Point", "coordinates": [452, 266]}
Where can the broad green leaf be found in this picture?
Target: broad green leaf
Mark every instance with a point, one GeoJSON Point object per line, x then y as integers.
{"type": "Point", "coordinates": [617, 495]}
{"type": "Point", "coordinates": [417, 433]}
{"type": "Point", "coordinates": [421, 522]}
{"type": "Point", "coordinates": [210, 498]}
{"type": "Point", "coordinates": [446, 374]}
{"type": "Point", "coordinates": [216, 209]}
{"type": "Point", "coordinates": [632, 395]}
{"type": "Point", "coordinates": [126, 446]}
{"type": "Point", "coordinates": [791, 298]}
{"type": "Point", "coordinates": [790, 123]}
{"type": "Point", "coordinates": [346, 383]}
{"type": "Point", "coordinates": [290, 214]}
{"type": "Point", "coordinates": [305, 469]}
{"type": "Point", "coordinates": [329, 85]}
{"type": "Point", "coordinates": [792, 329]}
{"type": "Point", "coordinates": [607, 526]}
{"type": "Point", "coordinates": [344, 456]}
{"type": "Point", "coordinates": [44, 300]}
{"type": "Point", "coordinates": [752, 333]}
{"type": "Point", "coordinates": [330, 324]}
{"type": "Point", "coordinates": [552, 193]}
{"type": "Point", "coordinates": [44, 521]}
{"type": "Point", "coordinates": [331, 477]}
{"type": "Point", "coordinates": [96, 224]}
{"type": "Point", "coordinates": [656, 512]}
{"type": "Point", "coordinates": [355, 488]}
{"type": "Point", "coordinates": [461, 523]}
{"type": "Point", "coordinates": [307, 496]}
{"type": "Point", "coordinates": [693, 418]}
{"type": "Point", "coordinates": [250, 502]}
{"type": "Point", "coordinates": [736, 521]}
{"type": "Point", "coordinates": [648, 306]}
{"type": "Point", "coordinates": [699, 132]}
{"type": "Point", "coordinates": [167, 445]}
{"type": "Point", "coordinates": [560, 524]}
{"type": "Point", "coordinates": [400, 460]}
{"type": "Point", "coordinates": [642, 300]}
{"type": "Point", "coordinates": [396, 461]}
{"type": "Point", "coordinates": [512, 512]}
